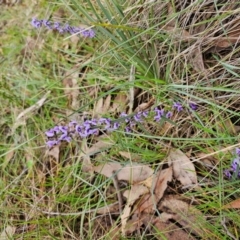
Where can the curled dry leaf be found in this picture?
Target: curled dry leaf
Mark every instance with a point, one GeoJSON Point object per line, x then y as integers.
{"type": "Point", "coordinates": [233, 204]}
{"type": "Point", "coordinates": [132, 173]}
{"type": "Point", "coordinates": [232, 37]}
{"type": "Point", "coordinates": [169, 230]}
{"type": "Point", "coordinates": [160, 182]}
{"type": "Point", "coordinates": [131, 195]}
{"type": "Point", "coordinates": [119, 103]}
{"type": "Point", "coordinates": [102, 106]}
{"type": "Point", "coordinates": [54, 152]}
{"type": "Point", "coordinates": [183, 168]}
{"type": "Point", "coordinates": [157, 185]}
{"type": "Point", "coordinates": [187, 216]}
{"type": "Point", "coordinates": [145, 105]}
{"type": "Point", "coordinates": [102, 145]}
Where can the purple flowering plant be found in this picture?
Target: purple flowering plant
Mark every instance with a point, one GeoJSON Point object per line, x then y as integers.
{"type": "Point", "coordinates": [234, 171]}
{"type": "Point", "coordinates": [87, 33]}
{"type": "Point", "coordinates": [87, 128]}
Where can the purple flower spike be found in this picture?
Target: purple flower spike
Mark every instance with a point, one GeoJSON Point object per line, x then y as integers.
{"type": "Point", "coordinates": [159, 114]}
{"type": "Point", "coordinates": [87, 33]}
{"type": "Point", "coordinates": [178, 106]}
{"type": "Point", "coordinates": [193, 106]}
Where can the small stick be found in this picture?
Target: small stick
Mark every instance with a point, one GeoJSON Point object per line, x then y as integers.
{"type": "Point", "coordinates": [101, 210]}
{"type": "Point", "coordinates": [119, 195]}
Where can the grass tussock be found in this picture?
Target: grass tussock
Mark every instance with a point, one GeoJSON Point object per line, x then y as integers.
{"type": "Point", "coordinates": [146, 54]}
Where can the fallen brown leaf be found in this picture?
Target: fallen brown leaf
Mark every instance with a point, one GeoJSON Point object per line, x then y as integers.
{"type": "Point", "coordinates": [132, 173]}
{"type": "Point", "coordinates": [183, 168]}
{"type": "Point", "coordinates": [196, 59]}
{"type": "Point", "coordinates": [54, 152]}
{"type": "Point", "coordinates": [102, 145]}
{"type": "Point", "coordinates": [145, 105]}
{"type": "Point", "coordinates": [232, 37]}
{"type": "Point", "coordinates": [161, 181]}
{"type": "Point", "coordinates": [233, 204]}
{"type": "Point", "coordinates": [169, 230]}
{"type": "Point", "coordinates": [187, 216]}
{"type": "Point", "coordinates": [131, 195]}
{"type": "Point", "coordinates": [119, 103]}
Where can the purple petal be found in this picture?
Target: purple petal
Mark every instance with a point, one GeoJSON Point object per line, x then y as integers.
{"type": "Point", "coordinates": [65, 137]}
{"type": "Point", "coordinates": [178, 106]}
{"type": "Point", "coordinates": [47, 24]}
{"type": "Point", "coordinates": [228, 173]}
{"type": "Point", "coordinates": [238, 151]}
{"type": "Point", "coordinates": [51, 143]}
{"type": "Point", "coordinates": [36, 23]}
{"type": "Point", "coordinates": [145, 114]}
{"type": "Point", "coordinates": [63, 129]}
{"type": "Point", "coordinates": [193, 106]}
{"type": "Point", "coordinates": [169, 114]}
{"type": "Point", "coordinates": [50, 133]}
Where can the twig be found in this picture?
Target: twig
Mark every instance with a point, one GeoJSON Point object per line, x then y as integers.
{"type": "Point", "coordinates": [101, 210]}
{"type": "Point", "coordinates": [226, 229]}
{"type": "Point", "coordinates": [119, 195]}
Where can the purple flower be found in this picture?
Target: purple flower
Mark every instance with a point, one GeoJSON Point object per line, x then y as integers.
{"type": "Point", "coordinates": [159, 114]}
{"type": "Point", "coordinates": [235, 164]}
{"type": "Point", "coordinates": [87, 33]}
{"type": "Point", "coordinates": [127, 129]}
{"type": "Point", "coordinates": [50, 133]}
{"type": "Point", "coordinates": [169, 114]}
{"type": "Point", "coordinates": [227, 173]}
{"type": "Point", "coordinates": [137, 117]}
{"type": "Point", "coordinates": [124, 115]}
{"type": "Point", "coordinates": [56, 26]}
{"type": "Point", "coordinates": [178, 106]}
{"type": "Point", "coordinates": [238, 151]}
{"type": "Point", "coordinates": [47, 24]}
{"type": "Point", "coordinates": [115, 126]}
{"type": "Point", "coordinates": [193, 106]}
{"type": "Point", "coordinates": [36, 23]}
{"type": "Point", "coordinates": [105, 121]}
{"type": "Point", "coordinates": [145, 114]}
{"type": "Point", "coordinates": [65, 137]}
